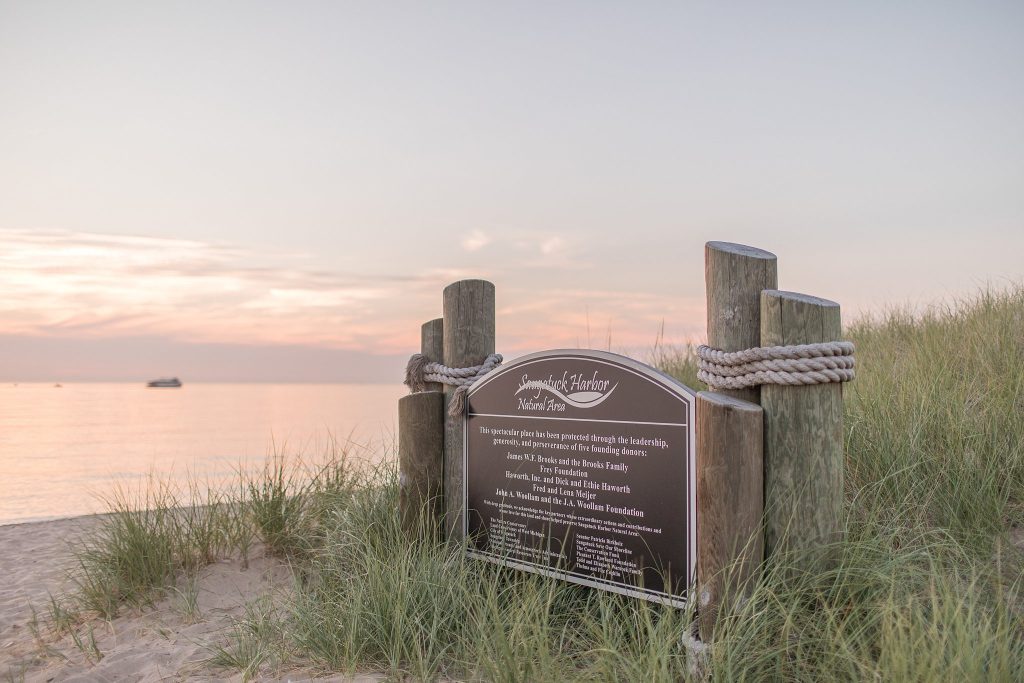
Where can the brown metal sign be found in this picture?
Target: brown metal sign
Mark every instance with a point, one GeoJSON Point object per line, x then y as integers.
{"type": "Point", "coordinates": [580, 464]}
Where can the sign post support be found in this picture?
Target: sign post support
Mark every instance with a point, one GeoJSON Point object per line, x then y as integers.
{"type": "Point", "coordinates": [468, 339]}
{"type": "Point", "coordinates": [730, 466]}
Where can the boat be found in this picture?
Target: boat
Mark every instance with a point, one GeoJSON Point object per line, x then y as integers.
{"type": "Point", "coordinates": [165, 382]}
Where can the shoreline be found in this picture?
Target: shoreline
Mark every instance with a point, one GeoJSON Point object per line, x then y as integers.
{"type": "Point", "coordinates": [48, 520]}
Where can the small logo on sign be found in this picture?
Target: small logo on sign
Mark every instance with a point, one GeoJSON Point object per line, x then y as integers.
{"type": "Point", "coordinates": [577, 390]}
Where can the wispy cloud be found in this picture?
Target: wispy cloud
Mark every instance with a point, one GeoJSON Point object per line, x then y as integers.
{"type": "Point", "coordinates": [545, 244]}
{"type": "Point", "coordinates": [91, 286]}
{"type": "Point", "coordinates": [521, 250]}
{"type": "Point", "coordinates": [552, 245]}
{"type": "Point", "coordinates": [475, 241]}
{"type": "Point", "coordinates": [104, 285]}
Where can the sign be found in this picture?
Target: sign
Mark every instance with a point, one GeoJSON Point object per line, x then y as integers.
{"type": "Point", "coordinates": [580, 465]}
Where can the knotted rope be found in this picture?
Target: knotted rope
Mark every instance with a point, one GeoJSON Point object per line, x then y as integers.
{"type": "Point", "coordinates": [422, 370]}
{"type": "Point", "coordinates": [790, 365]}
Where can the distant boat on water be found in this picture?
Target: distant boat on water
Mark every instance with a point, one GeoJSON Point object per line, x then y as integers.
{"type": "Point", "coordinates": [172, 382]}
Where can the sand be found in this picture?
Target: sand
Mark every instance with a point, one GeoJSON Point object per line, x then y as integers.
{"type": "Point", "coordinates": [167, 641]}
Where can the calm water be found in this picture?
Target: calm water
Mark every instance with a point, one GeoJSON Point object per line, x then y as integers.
{"type": "Point", "coordinates": [61, 447]}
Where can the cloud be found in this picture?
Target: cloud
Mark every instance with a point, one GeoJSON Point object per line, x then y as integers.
{"type": "Point", "coordinates": [551, 245]}
{"type": "Point", "coordinates": [59, 283]}
{"type": "Point", "coordinates": [475, 241]}
{"type": "Point", "coordinates": [88, 286]}
{"type": "Point", "coordinates": [518, 246]}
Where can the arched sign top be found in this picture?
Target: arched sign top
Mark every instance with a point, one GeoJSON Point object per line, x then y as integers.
{"type": "Point", "coordinates": [580, 383]}
{"type": "Point", "coordinates": [580, 464]}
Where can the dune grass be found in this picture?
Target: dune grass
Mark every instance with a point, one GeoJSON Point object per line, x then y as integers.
{"type": "Point", "coordinates": [150, 537]}
{"type": "Point", "coordinates": [935, 421]}
{"type": "Point", "coordinates": [926, 586]}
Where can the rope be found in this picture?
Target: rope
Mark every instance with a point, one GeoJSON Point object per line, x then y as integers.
{"type": "Point", "coordinates": [788, 365]}
{"type": "Point", "coordinates": [422, 370]}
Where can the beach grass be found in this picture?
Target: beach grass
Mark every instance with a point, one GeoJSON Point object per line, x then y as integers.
{"type": "Point", "coordinates": [152, 536]}
{"type": "Point", "coordinates": [926, 585]}
{"type": "Point", "coordinates": [254, 641]}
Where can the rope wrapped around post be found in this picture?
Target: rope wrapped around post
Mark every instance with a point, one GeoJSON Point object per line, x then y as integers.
{"type": "Point", "coordinates": [421, 370]}
{"type": "Point", "coordinates": [802, 364]}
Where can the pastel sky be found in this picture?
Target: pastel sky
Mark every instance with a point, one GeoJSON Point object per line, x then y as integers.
{"type": "Point", "coordinates": [280, 190]}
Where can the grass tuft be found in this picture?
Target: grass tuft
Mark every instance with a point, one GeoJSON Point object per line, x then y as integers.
{"type": "Point", "coordinates": [149, 539]}
{"type": "Point", "coordinates": [254, 640]}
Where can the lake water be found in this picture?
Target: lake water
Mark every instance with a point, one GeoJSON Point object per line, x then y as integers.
{"type": "Point", "coordinates": [61, 448]}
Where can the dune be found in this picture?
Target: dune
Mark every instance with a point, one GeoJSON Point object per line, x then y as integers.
{"type": "Point", "coordinates": [174, 638]}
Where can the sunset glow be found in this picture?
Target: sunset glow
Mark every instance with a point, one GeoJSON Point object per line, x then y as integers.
{"type": "Point", "coordinates": [96, 286]}
{"type": "Point", "coordinates": [268, 178]}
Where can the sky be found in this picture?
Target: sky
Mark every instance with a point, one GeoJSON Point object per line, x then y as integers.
{"type": "Point", "coordinates": [279, 191]}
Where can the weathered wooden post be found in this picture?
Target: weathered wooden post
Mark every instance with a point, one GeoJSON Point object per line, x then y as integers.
{"type": "Point", "coordinates": [734, 276]}
{"type": "Point", "coordinates": [729, 500]}
{"type": "Point", "coordinates": [803, 449]}
{"type": "Point", "coordinates": [468, 340]}
{"type": "Point", "coordinates": [730, 468]}
{"type": "Point", "coordinates": [432, 346]}
{"type": "Point", "coordinates": [421, 444]}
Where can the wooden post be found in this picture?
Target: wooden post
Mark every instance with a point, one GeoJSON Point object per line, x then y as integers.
{"type": "Point", "coordinates": [420, 455]}
{"type": "Point", "coordinates": [421, 445]}
{"type": "Point", "coordinates": [735, 275]}
{"type": "Point", "coordinates": [803, 449]}
{"type": "Point", "coordinates": [432, 346]}
{"type": "Point", "coordinates": [468, 340]}
{"type": "Point", "coordinates": [730, 490]}
{"type": "Point", "coordinates": [730, 468]}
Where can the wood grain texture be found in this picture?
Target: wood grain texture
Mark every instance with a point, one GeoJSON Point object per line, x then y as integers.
{"type": "Point", "coordinates": [729, 456]}
{"type": "Point", "coordinates": [803, 447]}
{"type": "Point", "coordinates": [468, 340]}
{"type": "Point", "coordinates": [734, 277]}
{"type": "Point", "coordinates": [432, 346]}
{"type": "Point", "coordinates": [730, 504]}
{"type": "Point", "coordinates": [420, 457]}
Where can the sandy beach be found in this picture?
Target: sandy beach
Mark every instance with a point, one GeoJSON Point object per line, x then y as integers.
{"type": "Point", "coordinates": [168, 641]}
